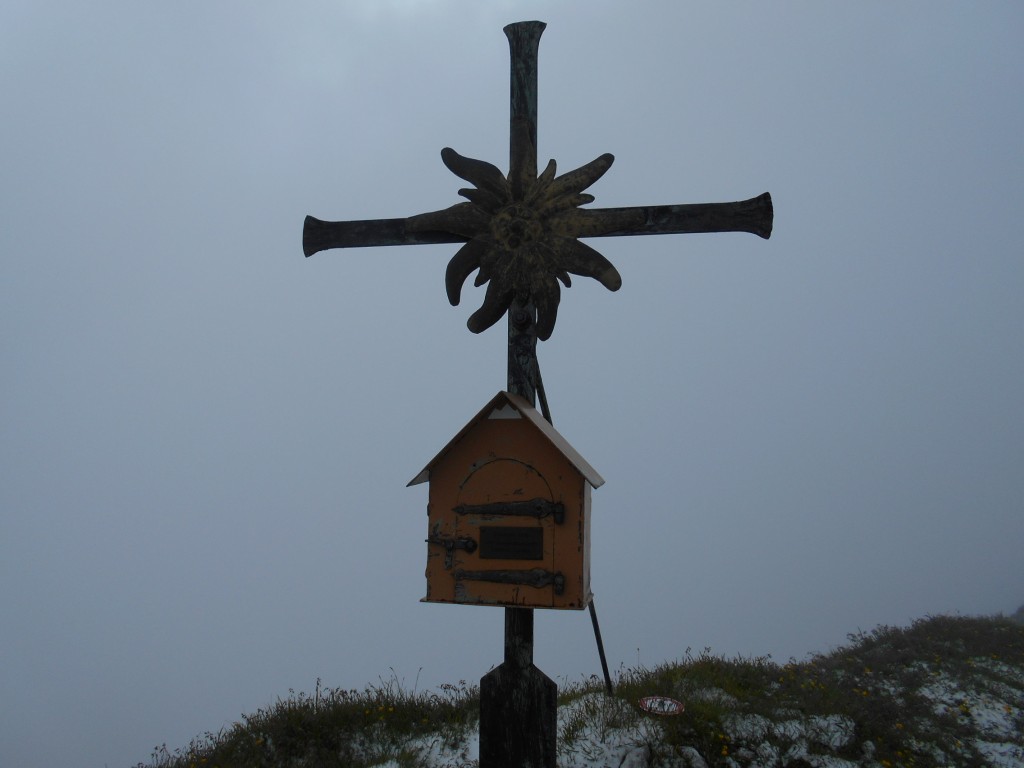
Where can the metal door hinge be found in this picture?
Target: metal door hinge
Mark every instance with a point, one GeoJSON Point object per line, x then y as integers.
{"type": "Point", "coordinates": [538, 508]}
{"type": "Point", "coordinates": [534, 577]}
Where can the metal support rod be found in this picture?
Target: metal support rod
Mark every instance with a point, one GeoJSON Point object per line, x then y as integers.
{"type": "Point", "coordinates": [600, 649]}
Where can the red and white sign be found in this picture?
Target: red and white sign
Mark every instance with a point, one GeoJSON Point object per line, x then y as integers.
{"type": "Point", "coordinates": [661, 705]}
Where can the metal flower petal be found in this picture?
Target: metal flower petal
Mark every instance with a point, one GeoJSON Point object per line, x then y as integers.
{"type": "Point", "coordinates": [522, 244]}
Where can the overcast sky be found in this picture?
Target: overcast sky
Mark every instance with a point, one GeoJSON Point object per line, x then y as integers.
{"type": "Point", "coordinates": [205, 438]}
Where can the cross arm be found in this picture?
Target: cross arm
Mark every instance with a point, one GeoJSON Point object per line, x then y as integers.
{"type": "Point", "coordinates": [753, 215]}
{"type": "Point", "coordinates": [320, 235]}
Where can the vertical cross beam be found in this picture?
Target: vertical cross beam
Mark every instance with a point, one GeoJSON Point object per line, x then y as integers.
{"type": "Point", "coordinates": [518, 702]}
{"type": "Point", "coordinates": [524, 43]}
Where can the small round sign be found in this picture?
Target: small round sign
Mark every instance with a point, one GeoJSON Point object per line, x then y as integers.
{"type": "Point", "coordinates": [661, 705]}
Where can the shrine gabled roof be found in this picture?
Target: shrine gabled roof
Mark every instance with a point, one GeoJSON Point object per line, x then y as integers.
{"type": "Point", "coordinates": [505, 405]}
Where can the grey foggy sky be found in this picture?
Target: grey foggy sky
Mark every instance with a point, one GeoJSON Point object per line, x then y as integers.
{"type": "Point", "coordinates": [205, 438]}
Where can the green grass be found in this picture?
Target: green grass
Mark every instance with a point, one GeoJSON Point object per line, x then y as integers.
{"type": "Point", "coordinates": [892, 697]}
{"type": "Point", "coordinates": [335, 727]}
{"type": "Point", "coordinates": [876, 688]}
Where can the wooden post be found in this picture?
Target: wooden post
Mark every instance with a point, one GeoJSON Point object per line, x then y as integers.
{"type": "Point", "coordinates": [518, 704]}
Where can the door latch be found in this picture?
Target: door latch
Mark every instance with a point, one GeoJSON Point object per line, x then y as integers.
{"type": "Point", "coordinates": [450, 544]}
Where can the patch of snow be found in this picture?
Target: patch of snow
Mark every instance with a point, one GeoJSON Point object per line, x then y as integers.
{"type": "Point", "coordinates": [598, 731]}
{"type": "Point", "coordinates": [1001, 754]}
{"type": "Point", "coordinates": [749, 728]}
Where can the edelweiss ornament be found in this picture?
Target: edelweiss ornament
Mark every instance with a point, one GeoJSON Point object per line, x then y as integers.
{"type": "Point", "coordinates": [522, 244]}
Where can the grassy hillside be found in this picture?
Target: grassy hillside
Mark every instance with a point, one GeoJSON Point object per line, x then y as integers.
{"type": "Point", "coordinates": [946, 691]}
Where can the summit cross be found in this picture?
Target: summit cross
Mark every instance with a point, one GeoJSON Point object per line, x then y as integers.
{"type": "Point", "coordinates": [521, 231]}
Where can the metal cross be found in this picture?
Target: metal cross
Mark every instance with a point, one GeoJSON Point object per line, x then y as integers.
{"type": "Point", "coordinates": [522, 231]}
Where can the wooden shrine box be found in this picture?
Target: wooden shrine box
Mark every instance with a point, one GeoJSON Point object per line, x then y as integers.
{"type": "Point", "coordinates": [509, 513]}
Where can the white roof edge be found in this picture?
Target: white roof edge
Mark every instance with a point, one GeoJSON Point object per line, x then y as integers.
{"type": "Point", "coordinates": [534, 416]}
{"type": "Point", "coordinates": [552, 434]}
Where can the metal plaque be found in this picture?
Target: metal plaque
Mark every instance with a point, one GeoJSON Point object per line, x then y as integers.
{"type": "Point", "coordinates": [501, 542]}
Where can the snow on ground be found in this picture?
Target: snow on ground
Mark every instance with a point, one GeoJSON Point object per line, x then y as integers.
{"type": "Point", "coordinates": [598, 731]}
